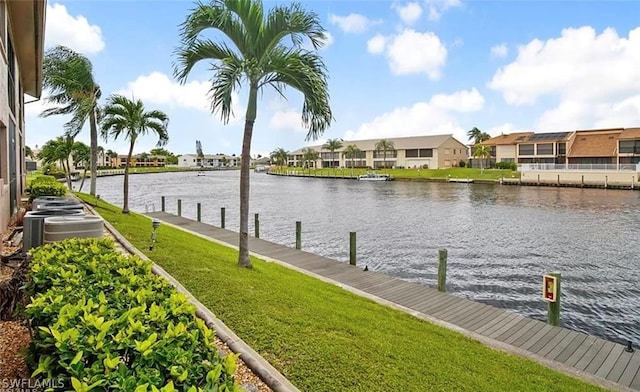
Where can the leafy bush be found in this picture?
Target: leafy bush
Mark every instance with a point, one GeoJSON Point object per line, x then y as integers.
{"type": "Point", "coordinates": [507, 165]}
{"type": "Point", "coordinates": [46, 186]}
{"type": "Point", "coordinates": [102, 319]}
{"type": "Point", "coordinates": [462, 164]}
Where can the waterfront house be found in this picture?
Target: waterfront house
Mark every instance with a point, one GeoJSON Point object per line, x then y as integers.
{"type": "Point", "coordinates": [22, 46]}
{"type": "Point", "coordinates": [433, 151]}
{"type": "Point", "coordinates": [215, 160]}
{"type": "Point", "coordinates": [139, 160]}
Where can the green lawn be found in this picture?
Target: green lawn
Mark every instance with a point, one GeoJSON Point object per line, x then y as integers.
{"type": "Point", "coordinates": [410, 174]}
{"type": "Point", "coordinates": [324, 338]}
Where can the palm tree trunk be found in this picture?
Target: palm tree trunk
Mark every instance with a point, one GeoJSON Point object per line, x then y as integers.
{"type": "Point", "coordinates": [93, 128]}
{"type": "Point", "coordinates": [68, 173]}
{"type": "Point", "coordinates": [125, 197]}
{"type": "Point", "coordinates": [353, 162]}
{"type": "Point", "coordinates": [84, 175]}
{"type": "Point", "coordinates": [243, 251]}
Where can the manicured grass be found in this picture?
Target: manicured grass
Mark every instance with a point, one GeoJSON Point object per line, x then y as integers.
{"type": "Point", "coordinates": [410, 174]}
{"type": "Point", "coordinates": [324, 338]}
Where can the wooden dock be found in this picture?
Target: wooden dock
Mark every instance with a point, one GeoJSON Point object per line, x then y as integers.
{"type": "Point", "coordinates": [575, 353]}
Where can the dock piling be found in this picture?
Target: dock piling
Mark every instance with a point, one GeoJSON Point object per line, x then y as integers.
{"type": "Point", "coordinates": [442, 270]}
{"type": "Point", "coordinates": [179, 207]}
{"type": "Point", "coordinates": [199, 212]}
{"type": "Point", "coordinates": [162, 203]}
{"type": "Point", "coordinates": [553, 308]}
{"type": "Point", "coordinates": [256, 225]}
{"type": "Point", "coordinates": [222, 211]}
{"type": "Point", "coordinates": [298, 235]}
{"type": "Point", "coordinates": [352, 248]}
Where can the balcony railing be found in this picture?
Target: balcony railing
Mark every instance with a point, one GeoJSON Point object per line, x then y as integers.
{"type": "Point", "coordinates": [579, 167]}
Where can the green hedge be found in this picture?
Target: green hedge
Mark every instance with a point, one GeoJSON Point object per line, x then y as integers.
{"type": "Point", "coordinates": [507, 165]}
{"type": "Point", "coordinates": [46, 186]}
{"type": "Point", "coordinates": [105, 320]}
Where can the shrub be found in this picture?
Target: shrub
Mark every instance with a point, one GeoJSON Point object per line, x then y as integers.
{"type": "Point", "coordinates": [103, 319]}
{"type": "Point", "coordinates": [462, 164]}
{"type": "Point", "coordinates": [507, 166]}
{"type": "Point", "coordinates": [425, 166]}
{"type": "Point", "coordinates": [45, 186]}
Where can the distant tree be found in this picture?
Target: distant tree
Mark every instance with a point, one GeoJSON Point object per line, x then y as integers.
{"type": "Point", "coordinates": [143, 157]}
{"type": "Point", "coordinates": [200, 160]}
{"type": "Point", "coordinates": [352, 152]}
{"type": "Point", "coordinates": [483, 152]}
{"type": "Point", "coordinates": [128, 118]}
{"type": "Point", "coordinates": [310, 155]}
{"type": "Point", "coordinates": [477, 136]}
{"type": "Point", "coordinates": [385, 145]}
{"type": "Point", "coordinates": [279, 157]}
{"type": "Point", "coordinates": [111, 155]}
{"type": "Point", "coordinates": [58, 151]}
{"type": "Point", "coordinates": [68, 76]}
{"type": "Point", "coordinates": [81, 154]}
{"type": "Point", "coordinates": [28, 152]}
{"type": "Point", "coordinates": [169, 157]}
{"type": "Point", "coordinates": [333, 145]}
{"type": "Point", "coordinates": [263, 48]}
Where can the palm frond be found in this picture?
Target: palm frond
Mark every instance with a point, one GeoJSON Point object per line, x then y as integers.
{"type": "Point", "coordinates": [226, 79]}
{"type": "Point", "coordinates": [198, 50]}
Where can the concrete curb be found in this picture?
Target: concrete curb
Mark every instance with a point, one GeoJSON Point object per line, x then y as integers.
{"type": "Point", "coordinates": [263, 369]}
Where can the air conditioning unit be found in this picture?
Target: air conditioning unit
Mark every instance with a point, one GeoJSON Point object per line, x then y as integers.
{"type": "Point", "coordinates": [58, 228]}
{"type": "Point", "coordinates": [34, 225]}
{"type": "Point", "coordinates": [56, 205]}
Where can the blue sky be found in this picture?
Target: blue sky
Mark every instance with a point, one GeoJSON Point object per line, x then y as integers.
{"type": "Point", "coordinates": [396, 69]}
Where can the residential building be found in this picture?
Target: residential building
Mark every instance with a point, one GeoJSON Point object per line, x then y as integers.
{"type": "Point", "coordinates": [216, 160]}
{"type": "Point", "coordinates": [140, 160]}
{"type": "Point", "coordinates": [434, 152]}
{"type": "Point", "coordinates": [21, 43]}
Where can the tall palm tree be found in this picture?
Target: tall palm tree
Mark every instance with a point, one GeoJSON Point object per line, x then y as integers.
{"type": "Point", "coordinates": [310, 155]}
{"type": "Point", "coordinates": [352, 152]}
{"type": "Point", "coordinates": [127, 118]}
{"type": "Point", "coordinates": [262, 48]}
{"type": "Point", "coordinates": [57, 151]}
{"type": "Point", "coordinates": [279, 156]}
{"type": "Point", "coordinates": [81, 154]}
{"type": "Point", "coordinates": [68, 76]}
{"type": "Point", "coordinates": [478, 136]}
{"type": "Point", "coordinates": [111, 155]}
{"type": "Point", "coordinates": [483, 152]}
{"type": "Point", "coordinates": [333, 145]}
{"type": "Point", "coordinates": [385, 145]}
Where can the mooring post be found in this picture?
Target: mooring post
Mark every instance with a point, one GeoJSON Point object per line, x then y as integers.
{"type": "Point", "coordinates": [199, 212]}
{"type": "Point", "coordinates": [553, 307]}
{"type": "Point", "coordinates": [582, 182]}
{"type": "Point", "coordinates": [222, 209]}
{"type": "Point", "coordinates": [633, 180]}
{"type": "Point", "coordinates": [162, 202]}
{"type": "Point", "coordinates": [298, 235]}
{"type": "Point", "coordinates": [256, 225]}
{"type": "Point", "coordinates": [442, 270]}
{"type": "Point", "coordinates": [352, 248]}
{"type": "Point", "coordinates": [179, 207]}
{"type": "Point", "coordinates": [606, 181]}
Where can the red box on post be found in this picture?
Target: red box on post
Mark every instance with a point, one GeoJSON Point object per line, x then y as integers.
{"type": "Point", "coordinates": [549, 288]}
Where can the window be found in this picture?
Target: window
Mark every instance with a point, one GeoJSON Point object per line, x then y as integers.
{"type": "Point", "coordinates": [412, 153]}
{"type": "Point", "coordinates": [629, 146]}
{"type": "Point", "coordinates": [11, 87]}
{"type": "Point", "coordinates": [380, 154]}
{"type": "Point", "coordinates": [447, 151]}
{"type": "Point", "coordinates": [447, 163]}
{"type": "Point", "coordinates": [562, 148]}
{"type": "Point", "coordinates": [525, 149]}
{"type": "Point", "coordinates": [545, 148]}
{"type": "Point", "coordinates": [4, 153]}
{"type": "Point", "coordinates": [421, 153]}
{"type": "Point", "coordinates": [3, 22]}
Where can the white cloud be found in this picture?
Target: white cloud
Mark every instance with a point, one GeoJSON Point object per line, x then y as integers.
{"type": "Point", "coordinates": [74, 32]}
{"type": "Point", "coordinates": [594, 77]}
{"type": "Point", "coordinates": [376, 44]}
{"type": "Point", "coordinates": [499, 51]}
{"type": "Point", "coordinates": [353, 23]}
{"type": "Point", "coordinates": [409, 13]}
{"type": "Point", "coordinates": [411, 52]}
{"type": "Point", "coordinates": [438, 7]}
{"type": "Point", "coordinates": [422, 118]}
{"type": "Point", "coordinates": [287, 120]}
{"type": "Point", "coordinates": [460, 101]}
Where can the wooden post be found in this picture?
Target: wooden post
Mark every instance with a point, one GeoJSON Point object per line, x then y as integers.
{"type": "Point", "coordinates": [606, 181]}
{"type": "Point", "coordinates": [442, 270]}
{"type": "Point", "coordinates": [222, 217]}
{"type": "Point", "coordinates": [256, 225]}
{"type": "Point", "coordinates": [179, 207]}
{"type": "Point", "coordinates": [298, 235]}
{"type": "Point", "coordinates": [538, 179]}
{"type": "Point", "coordinates": [582, 182]}
{"type": "Point", "coordinates": [558, 179]}
{"type": "Point", "coordinates": [553, 308]}
{"type": "Point", "coordinates": [199, 212]}
{"type": "Point", "coordinates": [162, 203]}
{"type": "Point", "coordinates": [352, 248]}
{"type": "Point", "coordinates": [633, 180]}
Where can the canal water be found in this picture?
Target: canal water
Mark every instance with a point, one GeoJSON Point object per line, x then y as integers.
{"type": "Point", "coordinates": [500, 239]}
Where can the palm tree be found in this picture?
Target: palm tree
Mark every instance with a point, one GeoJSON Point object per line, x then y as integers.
{"type": "Point", "coordinates": [483, 152]}
{"type": "Point", "coordinates": [68, 76]}
{"type": "Point", "coordinates": [28, 152]}
{"type": "Point", "coordinates": [127, 118]}
{"type": "Point", "coordinates": [279, 156]}
{"type": "Point", "coordinates": [262, 49]}
{"type": "Point", "coordinates": [310, 155]}
{"type": "Point", "coordinates": [58, 151]}
{"type": "Point", "coordinates": [81, 154]}
{"type": "Point", "coordinates": [385, 145]}
{"type": "Point", "coordinates": [478, 136]}
{"type": "Point", "coordinates": [111, 155]}
{"type": "Point", "coordinates": [352, 152]}
{"type": "Point", "coordinates": [333, 145]}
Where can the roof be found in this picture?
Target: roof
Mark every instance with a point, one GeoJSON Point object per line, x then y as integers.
{"type": "Point", "coordinates": [630, 133]}
{"type": "Point", "coordinates": [208, 156]}
{"type": "Point", "coordinates": [399, 143]}
{"type": "Point", "coordinates": [511, 138]}
{"type": "Point", "coordinates": [27, 22]}
{"type": "Point", "coordinates": [602, 143]}
{"type": "Point", "coordinates": [549, 137]}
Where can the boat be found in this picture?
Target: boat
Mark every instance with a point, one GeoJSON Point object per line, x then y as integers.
{"type": "Point", "coordinates": [374, 177]}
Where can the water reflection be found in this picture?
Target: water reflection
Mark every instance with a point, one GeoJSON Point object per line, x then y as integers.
{"type": "Point", "coordinates": [501, 239]}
